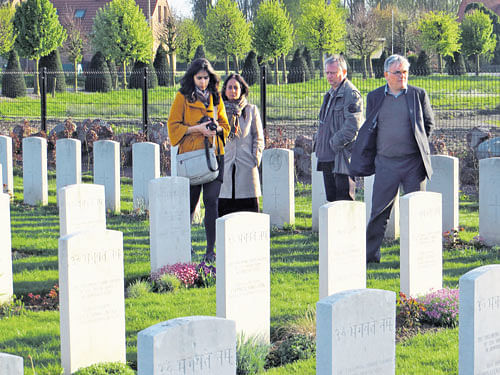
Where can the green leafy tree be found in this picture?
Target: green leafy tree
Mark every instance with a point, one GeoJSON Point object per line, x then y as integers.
{"type": "Point", "coordinates": [121, 33]}
{"type": "Point", "coordinates": [440, 33]}
{"type": "Point", "coordinates": [161, 66]}
{"type": "Point", "coordinates": [168, 36]}
{"type": "Point", "coordinates": [38, 31]}
{"type": "Point", "coordinates": [75, 43]}
{"type": "Point", "coordinates": [188, 39]}
{"type": "Point", "coordinates": [56, 80]}
{"type": "Point", "coordinates": [322, 28]}
{"type": "Point", "coordinates": [6, 29]}
{"type": "Point", "coordinates": [227, 32]}
{"type": "Point", "coordinates": [477, 36]}
{"type": "Point", "coordinates": [496, 25]}
{"type": "Point", "coordinates": [272, 32]}
{"type": "Point", "coordinates": [13, 84]}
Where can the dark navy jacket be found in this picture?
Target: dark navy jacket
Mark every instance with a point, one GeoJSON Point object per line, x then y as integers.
{"type": "Point", "coordinates": [422, 121]}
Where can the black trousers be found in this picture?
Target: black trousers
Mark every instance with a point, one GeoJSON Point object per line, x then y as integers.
{"type": "Point", "coordinates": [210, 200]}
{"type": "Point", "coordinates": [390, 173]}
{"type": "Point", "coordinates": [338, 186]}
{"type": "Point", "coordinates": [230, 205]}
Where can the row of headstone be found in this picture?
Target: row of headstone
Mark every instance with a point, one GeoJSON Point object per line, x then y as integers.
{"type": "Point", "coordinates": [92, 309]}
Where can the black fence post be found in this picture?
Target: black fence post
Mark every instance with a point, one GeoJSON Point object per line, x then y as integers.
{"type": "Point", "coordinates": [43, 98]}
{"type": "Point", "coordinates": [263, 96]}
{"type": "Point", "coordinates": [145, 103]}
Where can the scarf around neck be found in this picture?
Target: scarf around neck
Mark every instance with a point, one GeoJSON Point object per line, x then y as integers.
{"type": "Point", "coordinates": [234, 109]}
{"type": "Point", "coordinates": [202, 95]}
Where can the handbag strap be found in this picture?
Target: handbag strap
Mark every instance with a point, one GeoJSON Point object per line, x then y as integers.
{"type": "Point", "coordinates": [207, 154]}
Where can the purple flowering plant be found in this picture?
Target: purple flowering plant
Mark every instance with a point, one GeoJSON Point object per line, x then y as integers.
{"type": "Point", "coordinates": [441, 307]}
{"type": "Point", "coordinates": [190, 274]}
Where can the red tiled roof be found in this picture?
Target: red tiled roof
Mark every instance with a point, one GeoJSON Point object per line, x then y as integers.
{"type": "Point", "coordinates": [494, 5]}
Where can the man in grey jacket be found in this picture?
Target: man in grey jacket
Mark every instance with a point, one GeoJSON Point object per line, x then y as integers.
{"type": "Point", "coordinates": [340, 117]}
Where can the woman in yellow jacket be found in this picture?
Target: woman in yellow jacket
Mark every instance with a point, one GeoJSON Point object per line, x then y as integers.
{"type": "Point", "coordinates": [198, 97]}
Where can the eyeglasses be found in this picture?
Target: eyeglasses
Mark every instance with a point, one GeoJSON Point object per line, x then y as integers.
{"type": "Point", "coordinates": [400, 72]}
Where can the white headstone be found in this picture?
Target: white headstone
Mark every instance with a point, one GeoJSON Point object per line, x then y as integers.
{"type": "Point", "coordinates": [392, 229]}
{"type": "Point", "coordinates": [7, 166]}
{"type": "Point", "coordinates": [68, 162]}
{"type": "Point", "coordinates": [318, 192]}
{"type": "Point", "coordinates": [342, 247]}
{"type": "Point", "coordinates": [489, 200]}
{"type": "Point", "coordinates": [444, 180]}
{"type": "Point", "coordinates": [173, 160]}
{"type": "Point", "coordinates": [92, 303]}
{"type": "Point", "coordinates": [169, 221]}
{"type": "Point", "coordinates": [107, 171]}
{"type": "Point", "coordinates": [11, 364]}
{"type": "Point", "coordinates": [145, 167]}
{"type": "Point", "coordinates": [81, 207]}
{"type": "Point", "coordinates": [479, 325]}
{"type": "Point", "coordinates": [190, 345]}
{"type": "Point", "coordinates": [35, 182]}
{"type": "Point", "coordinates": [421, 243]}
{"type": "Point", "coordinates": [1, 179]}
{"type": "Point", "coordinates": [6, 286]}
{"type": "Point", "coordinates": [243, 272]}
{"type": "Point", "coordinates": [278, 198]}
{"type": "Point", "coordinates": [355, 333]}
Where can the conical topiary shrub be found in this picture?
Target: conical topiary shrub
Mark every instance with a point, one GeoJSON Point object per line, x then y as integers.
{"type": "Point", "coordinates": [310, 65]}
{"type": "Point", "coordinates": [251, 70]}
{"type": "Point", "coordinates": [161, 66]}
{"type": "Point", "coordinates": [137, 74]}
{"type": "Point", "coordinates": [199, 53]}
{"type": "Point", "coordinates": [55, 72]}
{"type": "Point", "coordinates": [378, 65]}
{"type": "Point", "coordinates": [422, 66]}
{"type": "Point", "coordinates": [299, 72]}
{"type": "Point", "coordinates": [97, 78]}
{"type": "Point", "coordinates": [13, 84]}
{"type": "Point", "coordinates": [455, 66]}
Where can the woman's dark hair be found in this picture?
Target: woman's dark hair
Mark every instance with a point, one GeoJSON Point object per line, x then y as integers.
{"type": "Point", "coordinates": [187, 81]}
{"type": "Point", "coordinates": [243, 85]}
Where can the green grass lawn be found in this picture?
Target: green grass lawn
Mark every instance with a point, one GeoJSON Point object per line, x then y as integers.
{"type": "Point", "coordinates": [294, 283]}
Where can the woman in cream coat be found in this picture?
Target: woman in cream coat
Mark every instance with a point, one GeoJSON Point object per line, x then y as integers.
{"type": "Point", "coordinates": [243, 152]}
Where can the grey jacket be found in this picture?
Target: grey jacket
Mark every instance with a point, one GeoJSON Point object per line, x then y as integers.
{"type": "Point", "coordinates": [244, 151]}
{"type": "Point", "coordinates": [344, 118]}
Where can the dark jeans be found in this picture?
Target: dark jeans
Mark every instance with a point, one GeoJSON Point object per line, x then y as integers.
{"type": "Point", "coordinates": [210, 200]}
{"type": "Point", "coordinates": [338, 187]}
{"type": "Point", "coordinates": [390, 173]}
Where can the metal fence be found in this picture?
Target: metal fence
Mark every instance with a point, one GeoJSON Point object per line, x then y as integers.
{"type": "Point", "coordinates": [460, 102]}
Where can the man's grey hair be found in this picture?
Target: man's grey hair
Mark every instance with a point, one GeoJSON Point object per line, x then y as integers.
{"type": "Point", "coordinates": [395, 59]}
{"type": "Point", "coordinates": [336, 59]}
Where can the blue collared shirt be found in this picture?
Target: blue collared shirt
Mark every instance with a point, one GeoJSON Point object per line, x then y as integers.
{"type": "Point", "coordinates": [388, 92]}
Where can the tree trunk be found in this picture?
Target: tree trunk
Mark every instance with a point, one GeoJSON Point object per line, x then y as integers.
{"type": "Point", "coordinates": [236, 63]}
{"type": "Point", "coordinates": [124, 74]}
{"type": "Point", "coordinates": [227, 65]}
{"type": "Point", "coordinates": [75, 67]}
{"type": "Point", "coordinates": [363, 60]}
{"type": "Point", "coordinates": [283, 57]}
{"type": "Point", "coordinates": [477, 64]}
{"type": "Point", "coordinates": [276, 68]}
{"type": "Point", "coordinates": [322, 64]}
{"type": "Point", "coordinates": [36, 87]}
{"type": "Point", "coordinates": [173, 67]}
{"type": "Point", "coordinates": [370, 66]}
{"type": "Point", "coordinates": [440, 64]}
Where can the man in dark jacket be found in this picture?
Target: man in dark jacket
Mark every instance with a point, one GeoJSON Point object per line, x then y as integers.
{"type": "Point", "coordinates": [340, 117]}
{"type": "Point", "coordinates": [399, 122]}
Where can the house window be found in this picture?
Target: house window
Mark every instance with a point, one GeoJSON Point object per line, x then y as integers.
{"type": "Point", "coordinates": [80, 13]}
{"type": "Point", "coordinates": [165, 14]}
{"type": "Point", "coordinates": [159, 15]}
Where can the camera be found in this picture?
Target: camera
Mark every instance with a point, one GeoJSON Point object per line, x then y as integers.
{"type": "Point", "coordinates": [211, 125]}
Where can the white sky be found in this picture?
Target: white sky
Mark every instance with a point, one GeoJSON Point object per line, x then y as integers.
{"type": "Point", "coordinates": [182, 8]}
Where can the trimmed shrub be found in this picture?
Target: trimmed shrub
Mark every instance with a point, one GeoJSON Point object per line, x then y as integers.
{"type": "Point", "coordinates": [107, 368]}
{"type": "Point", "coordinates": [55, 71]}
{"type": "Point", "coordinates": [251, 70]}
{"type": "Point", "coordinates": [136, 76]}
{"type": "Point", "coordinates": [98, 78]}
{"type": "Point", "coordinates": [161, 66]}
{"type": "Point", "coordinates": [13, 84]}
{"type": "Point", "coordinates": [422, 66]}
{"type": "Point", "coordinates": [310, 65]}
{"type": "Point", "coordinates": [199, 53]}
{"type": "Point", "coordinates": [298, 72]}
{"type": "Point", "coordinates": [455, 66]}
{"type": "Point", "coordinates": [378, 65]}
